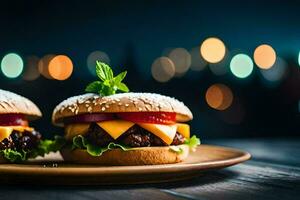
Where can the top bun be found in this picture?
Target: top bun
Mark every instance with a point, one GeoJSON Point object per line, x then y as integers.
{"type": "Point", "coordinates": [123, 102]}
{"type": "Point", "coordinates": [16, 104]}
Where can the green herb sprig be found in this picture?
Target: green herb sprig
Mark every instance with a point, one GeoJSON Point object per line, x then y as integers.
{"type": "Point", "coordinates": [108, 83]}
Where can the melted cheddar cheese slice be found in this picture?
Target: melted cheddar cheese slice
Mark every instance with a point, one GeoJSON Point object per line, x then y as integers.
{"type": "Point", "coordinates": [115, 128]}
{"type": "Point", "coordinates": [5, 131]}
{"type": "Point", "coordinates": [164, 132]}
{"type": "Point", "coordinates": [183, 129]}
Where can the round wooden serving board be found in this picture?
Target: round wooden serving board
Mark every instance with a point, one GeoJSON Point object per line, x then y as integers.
{"type": "Point", "coordinates": [53, 172]}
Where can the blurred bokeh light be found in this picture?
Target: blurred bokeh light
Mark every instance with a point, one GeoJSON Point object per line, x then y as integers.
{"type": "Point", "coordinates": [277, 72]}
{"type": "Point", "coordinates": [213, 50]}
{"type": "Point", "coordinates": [219, 96]}
{"type": "Point", "coordinates": [264, 56]}
{"type": "Point", "coordinates": [12, 65]}
{"type": "Point", "coordinates": [235, 47]}
{"type": "Point", "coordinates": [241, 65]}
{"type": "Point", "coordinates": [299, 58]}
{"type": "Point", "coordinates": [31, 71]}
{"type": "Point", "coordinates": [43, 65]}
{"type": "Point", "coordinates": [93, 57]}
{"type": "Point", "coordinates": [181, 59]}
{"type": "Point", "coordinates": [60, 67]}
{"type": "Point", "coordinates": [197, 61]}
{"type": "Point", "coordinates": [163, 69]}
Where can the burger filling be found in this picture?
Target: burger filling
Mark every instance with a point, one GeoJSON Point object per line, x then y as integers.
{"type": "Point", "coordinates": [18, 141]}
{"type": "Point", "coordinates": [27, 140]}
{"type": "Point", "coordinates": [126, 131]}
{"type": "Point", "coordinates": [135, 136]}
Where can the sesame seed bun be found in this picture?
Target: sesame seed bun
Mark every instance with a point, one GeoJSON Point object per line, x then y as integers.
{"type": "Point", "coordinates": [11, 103]}
{"type": "Point", "coordinates": [124, 102]}
{"type": "Point", "coordinates": [136, 156]}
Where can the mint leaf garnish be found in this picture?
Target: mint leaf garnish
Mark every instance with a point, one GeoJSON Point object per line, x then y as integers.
{"type": "Point", "coordinates": [108, 84]}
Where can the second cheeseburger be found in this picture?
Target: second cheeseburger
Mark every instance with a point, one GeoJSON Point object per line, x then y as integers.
{"type": "Point", "coordinates": [125, 129]}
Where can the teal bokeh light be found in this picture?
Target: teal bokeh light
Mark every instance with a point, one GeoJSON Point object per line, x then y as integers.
{"type": "Point", "coordinates": [299, 58]}
{"type": "Point", "coordinates": [241, 65]}
{"type": "Point", "coordinates": [12, 65]}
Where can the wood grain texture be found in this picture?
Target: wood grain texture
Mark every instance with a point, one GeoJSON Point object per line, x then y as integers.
{"type": "Point", "coordinates": [254, 180]}
{"type": "Point", "coordinates": [280, 151]}
{"type": "Point", "coordinates": [266, 176]}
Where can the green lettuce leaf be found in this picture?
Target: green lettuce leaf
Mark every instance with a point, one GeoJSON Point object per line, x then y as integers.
{"type": "Point", "coordinates": [81, 142]}
{"type": "Point", "coordinates": [192, 142]}
{"type": "Point", "coordinates": [47, 146]}
{"type": "Point", "coordinates": [13, 155]}
{"type": "Point", "coordinates": [176, 149]}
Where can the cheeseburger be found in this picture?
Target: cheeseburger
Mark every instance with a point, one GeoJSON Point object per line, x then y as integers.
{"type": "Point", "coordinates": [124, 129]}
{"type": "Point", "coordinates": [18, 141]}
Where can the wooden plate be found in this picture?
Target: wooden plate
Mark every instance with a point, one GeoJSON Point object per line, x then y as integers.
{"type": "Point", "coordinates": [53, 172]}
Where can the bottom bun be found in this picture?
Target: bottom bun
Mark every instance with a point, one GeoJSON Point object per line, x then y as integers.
{"type": "Point", "coordinates": [136, 156]}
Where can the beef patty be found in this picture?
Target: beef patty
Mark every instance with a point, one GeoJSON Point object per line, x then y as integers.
{"type": "Point", "coordinates": [19, 141]}
{"type": "Point", "coordinates": [135, 136]}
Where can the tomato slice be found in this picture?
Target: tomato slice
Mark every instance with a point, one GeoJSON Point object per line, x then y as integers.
{"type": "Point", "coordinates": [149, 117]}
{"type": "Point", "coordinates": [87, 118]}
{"type": "Point", "coordinates": [13, 120]}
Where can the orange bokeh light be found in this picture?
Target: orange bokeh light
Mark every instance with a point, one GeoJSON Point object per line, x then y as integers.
{"type": "Point", "coordinates": [60, 67]}
{"type": "Point", "coordinates": [264, 56]}
{"type": "Point", "coordinates": [219, 96]}
{"type": "Point", "coordinates": [213, 50]}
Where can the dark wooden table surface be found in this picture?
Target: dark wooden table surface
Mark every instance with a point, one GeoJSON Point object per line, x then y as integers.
{"type": "Point", "coordinates": [272, 173]}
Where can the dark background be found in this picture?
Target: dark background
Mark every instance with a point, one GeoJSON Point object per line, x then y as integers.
{"type": "Point", "coordinates": [135, 33]}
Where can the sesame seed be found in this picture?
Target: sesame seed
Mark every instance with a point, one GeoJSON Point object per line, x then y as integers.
{"type": "Point", "coordinates": [103, 108]}
{"type": "Point", "coordinates": [148, 107]}
{"type": "Point", "coordinates": [126, 104]}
